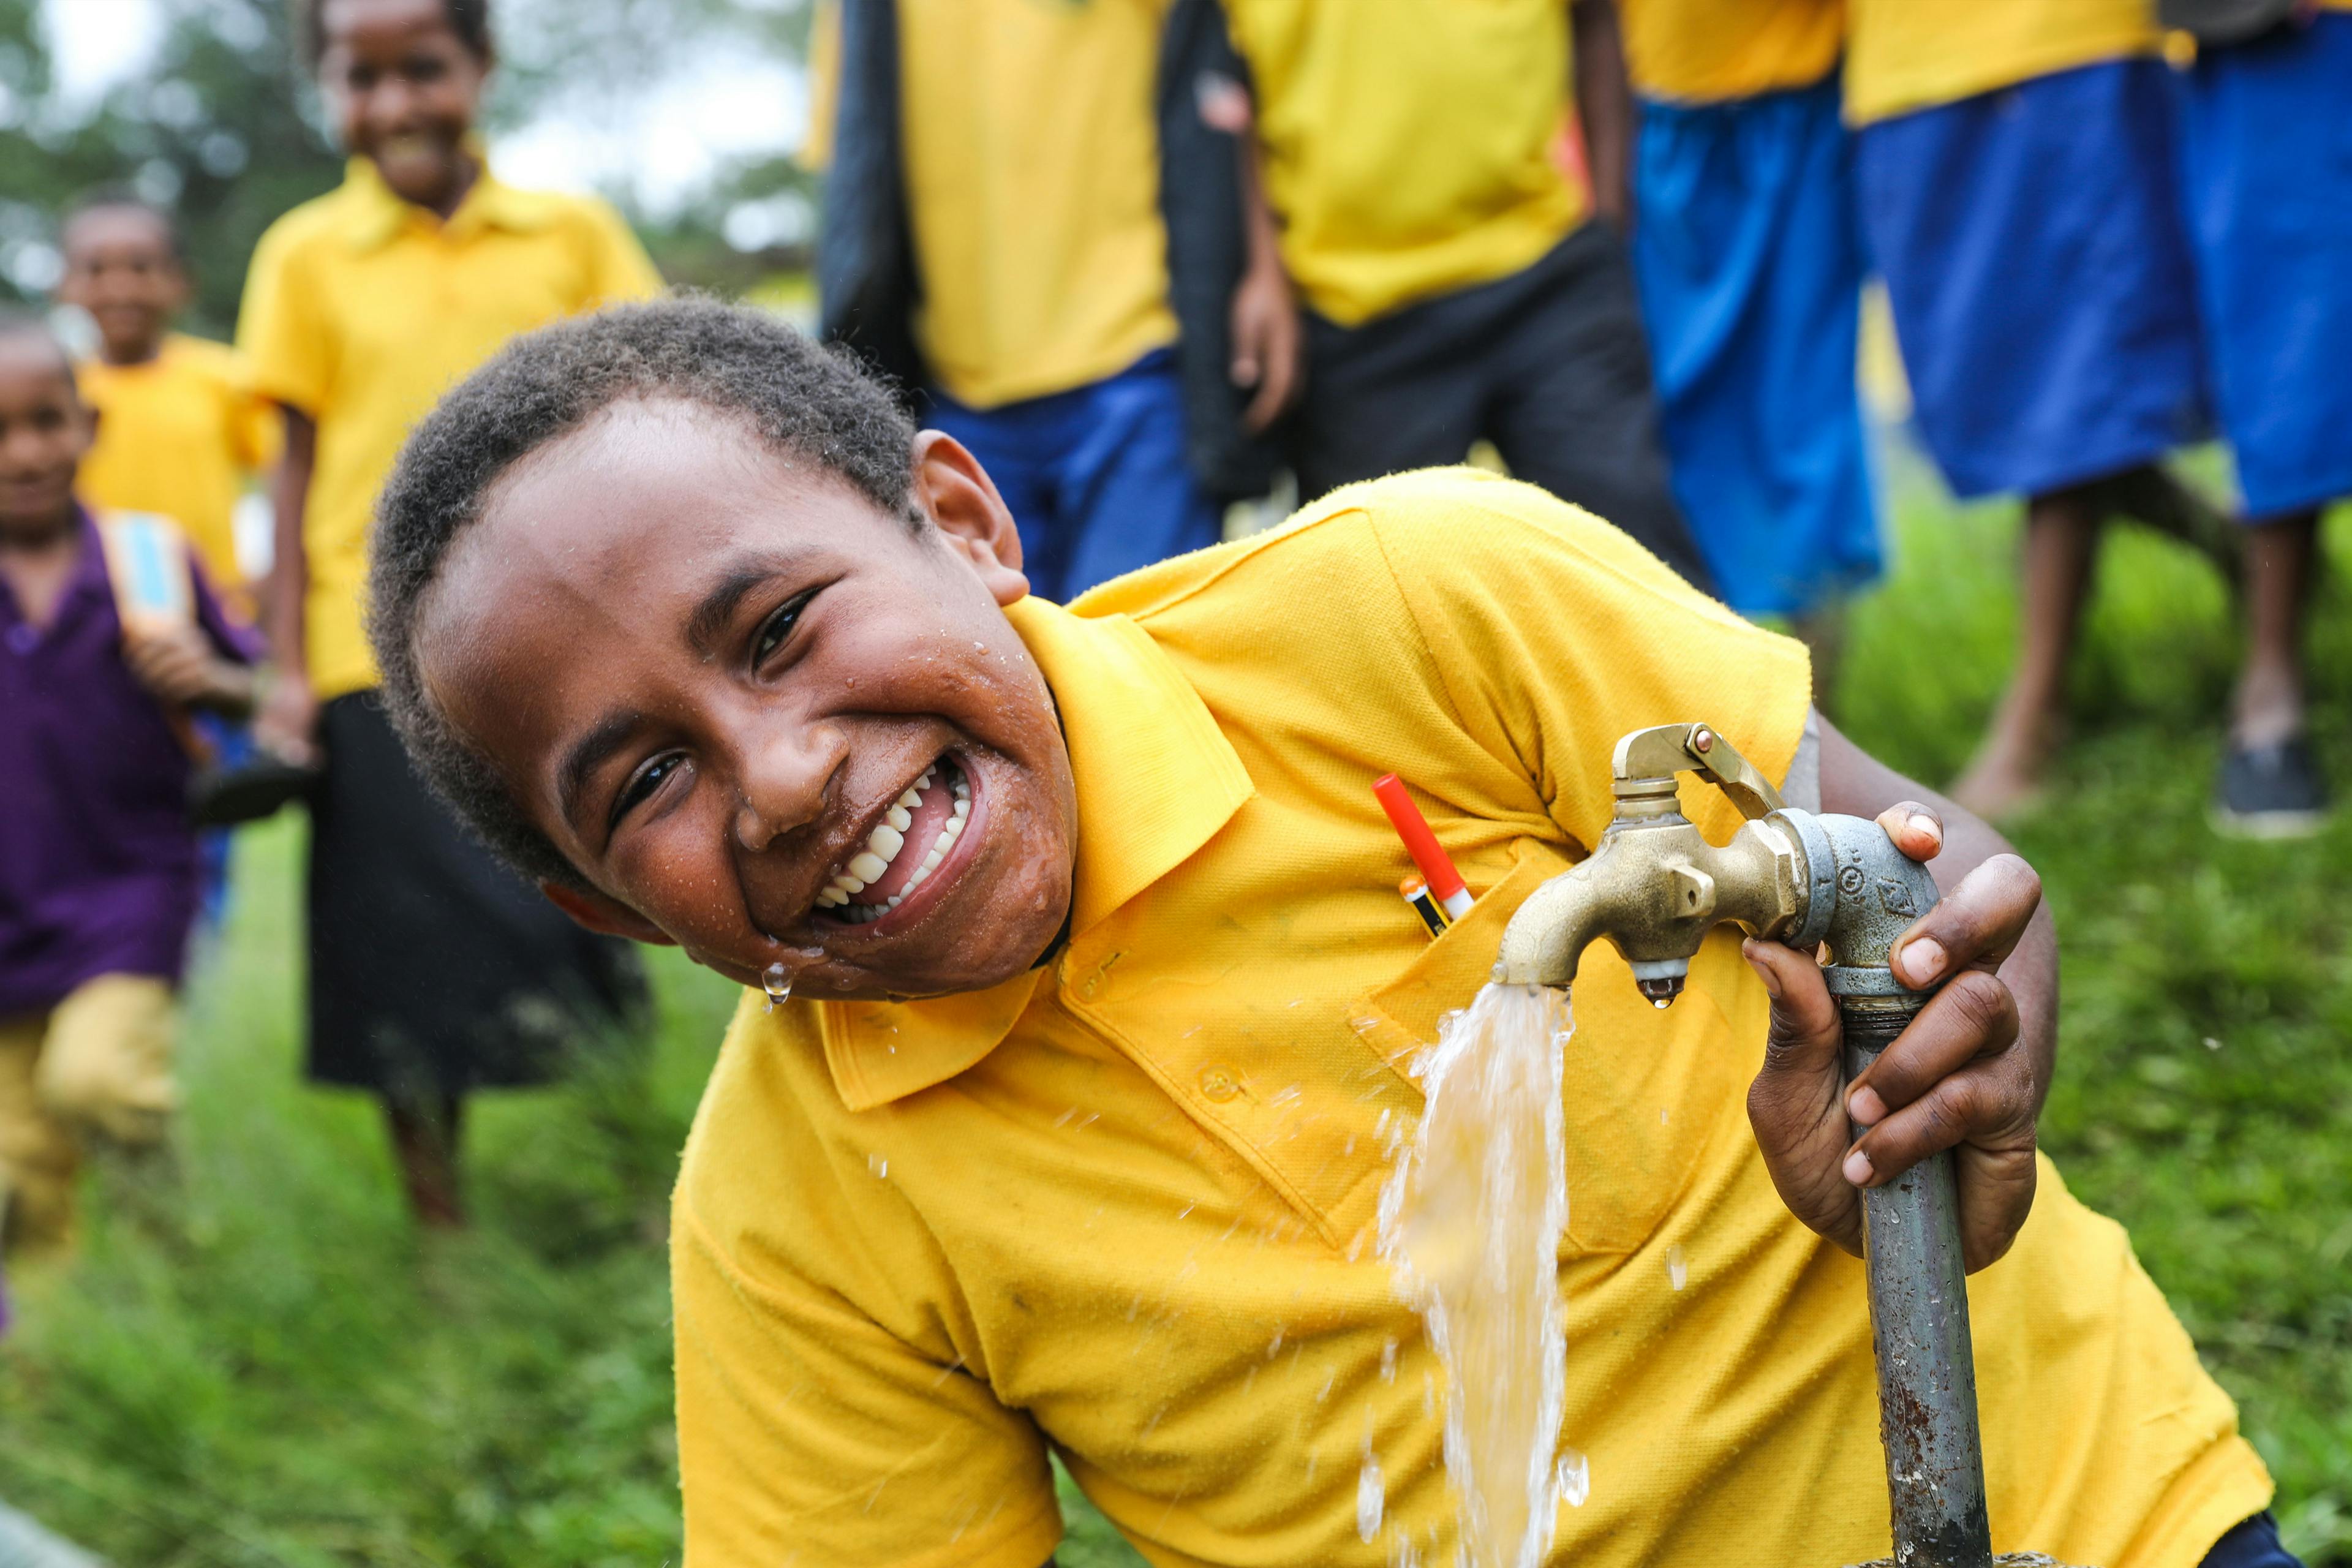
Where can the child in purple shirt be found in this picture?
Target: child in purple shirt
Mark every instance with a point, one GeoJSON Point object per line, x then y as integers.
{"type": "Point", "coordinates": [98, 863]}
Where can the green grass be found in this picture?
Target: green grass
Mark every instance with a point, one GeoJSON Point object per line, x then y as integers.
{"type": "Point", "coordinates": [267, 1367]}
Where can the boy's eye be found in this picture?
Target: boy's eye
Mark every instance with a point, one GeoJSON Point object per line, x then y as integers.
{"type": "Point", "coordinates": [642, 784]}
{"type": "Point", "coordinates": [778, 627]}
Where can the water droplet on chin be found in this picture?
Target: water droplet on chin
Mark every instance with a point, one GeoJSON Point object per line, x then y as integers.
{"type": "Point", "coordinates": [777, 982]}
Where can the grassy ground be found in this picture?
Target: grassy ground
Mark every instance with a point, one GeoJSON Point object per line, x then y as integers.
{"type": "Point", "coordinates": [269, 1368]}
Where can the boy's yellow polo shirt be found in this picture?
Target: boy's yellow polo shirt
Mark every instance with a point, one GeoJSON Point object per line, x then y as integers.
{"type": "Point", "coordinates": [1122, 1208]}
{"type": "Point", "coordinates": [362, 309]}
{"type": "Point", "coordinates": [1713, 51]}
{"type": "Point", "coordinates": [180, 435]}
{"type": "Point", "coordinates": [1908, 55]}
{"type": "Point", "coordinates": [1032, 165]}
{"type": "Point", "coordinates": [1408, 144]}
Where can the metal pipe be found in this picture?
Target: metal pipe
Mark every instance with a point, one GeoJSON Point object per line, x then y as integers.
{"type": "Point", "coordinates": [1919, 1329]}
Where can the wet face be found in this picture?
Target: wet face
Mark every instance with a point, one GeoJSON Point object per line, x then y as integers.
{"type": "Point", "coordinates": [44, 431]}
{"type": "Point", "coordinates": [403, 87]}
{"type": "Point", "coordinates": [120, 267]}
{"type": "Point", "coordinates": [765, 720]}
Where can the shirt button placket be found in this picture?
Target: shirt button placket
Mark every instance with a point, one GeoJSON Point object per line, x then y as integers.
{"type": "Point", "coordinates": [1220, 1083]}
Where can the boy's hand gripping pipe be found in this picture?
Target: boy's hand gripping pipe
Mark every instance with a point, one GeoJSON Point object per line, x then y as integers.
{"type": "Point", "coordinates": [1655, 888]}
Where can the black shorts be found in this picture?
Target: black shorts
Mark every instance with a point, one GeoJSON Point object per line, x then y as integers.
{"type": "Point", "coordinates": [434, 968]}
{"type": "Point", "coordinates": [1549, 363]}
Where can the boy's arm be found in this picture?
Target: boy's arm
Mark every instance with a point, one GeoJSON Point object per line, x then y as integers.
{"type": "Point", "coordinates": [288, 721]}
{"type": "Point", "coordinates": [181, 668]}
{"type": "Point", "coordinates": [1268, 344]}
{"type": "Point", "coordinates": [1970, 1073]}
{"type": "Point", "coordinates": [1604, 103]}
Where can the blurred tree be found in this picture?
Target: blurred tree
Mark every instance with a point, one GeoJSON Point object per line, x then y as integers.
{"type": "Point", "coordinates": [214, 129]}
{"type": "Point", "coordinates": [221, 127]}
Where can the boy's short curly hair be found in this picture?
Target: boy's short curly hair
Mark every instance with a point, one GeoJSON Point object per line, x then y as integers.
{"type": "Point", "coordinates": [470, 19]}
{"type": "Point", "coordinates": [810, 403]}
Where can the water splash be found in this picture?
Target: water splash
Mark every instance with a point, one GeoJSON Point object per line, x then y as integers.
{"type": "Point", "coordinates": [777, 982]}
{"type": "Point", "coordinates": [1574, 1478]}
{"type": "Point", "coordinates": [1470, 1220]}
{"type": "Point", "coordinates": [1372, 1498]}
{"type": "Point", "coordinates": [1677, 1265]}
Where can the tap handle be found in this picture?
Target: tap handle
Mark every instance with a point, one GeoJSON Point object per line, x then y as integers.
{"type": "Point", "coordinates": [1670, 749]}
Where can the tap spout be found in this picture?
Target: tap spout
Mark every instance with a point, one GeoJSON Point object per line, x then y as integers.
{"type": "Point", "coordinates": [1655, 888]}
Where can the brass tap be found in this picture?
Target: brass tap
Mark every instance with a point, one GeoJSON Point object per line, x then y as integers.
{"type": "Point", "coordinates": [1655, 887]}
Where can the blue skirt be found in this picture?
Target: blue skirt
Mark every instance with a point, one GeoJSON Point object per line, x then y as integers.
{"type": "Point", "coordinates": [2267, 166]}
{"type": "Point", "coordinates": [1750, 273]}
{"type": "Point", "coordinates": [2039, 271]}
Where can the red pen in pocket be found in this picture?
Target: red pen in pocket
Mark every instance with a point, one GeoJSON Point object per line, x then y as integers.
{"type": "Point", "coordinates": [1446, 883]}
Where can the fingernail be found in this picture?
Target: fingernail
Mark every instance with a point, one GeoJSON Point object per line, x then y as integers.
{"type": "Point", "coordinates": [1771, 980]}
{"type": "Point", "coordinates": [1864, 1106]}
{"type": "Point", "coordinates": [1923, 959]}
{"type": "Point", "coordinates": [1858, 1169]}
{"type": "Point", "coordinates": [1929, 826]}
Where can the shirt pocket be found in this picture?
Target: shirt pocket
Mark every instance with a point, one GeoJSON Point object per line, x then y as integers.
{"type": "Point", "coordinates": [1398, 1018]}
{"type": "Point", "coordinates": [1644, 1093]}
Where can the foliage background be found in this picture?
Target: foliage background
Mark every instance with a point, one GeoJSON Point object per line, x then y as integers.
{"type": "Point", "coordinates": [221, 127]}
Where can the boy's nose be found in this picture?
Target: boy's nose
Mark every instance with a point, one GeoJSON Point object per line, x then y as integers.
{"type": "Point", "coordinates": [783, 787]}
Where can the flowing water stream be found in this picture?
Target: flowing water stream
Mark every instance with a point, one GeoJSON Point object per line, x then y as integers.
{"type": "Point", "coordinates": [1471, 1221]}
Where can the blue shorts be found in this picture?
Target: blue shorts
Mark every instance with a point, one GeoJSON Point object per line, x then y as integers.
{"type": "Point", "coordinates": [2033, 252]}
{"type": "Point", "coordinates": [2253, 1545]}
{"type": "Point", "coordinates": [1097, 477]}
{"type": "Point", "coordinates": [1750, 271]}
{"type": "Point", "coordinates": [2267, 157]}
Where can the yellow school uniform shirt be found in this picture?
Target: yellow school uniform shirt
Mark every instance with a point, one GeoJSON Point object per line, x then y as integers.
{"type": "Point", "coordinates": [1031, 163]}
{"type": "Point", "coordinates": [362, 309]}
{"type": "Point", "coordinates": [180, 435]}
{"type": "Point", "coordinates": [1408, 144]}
{"type": "Point", "coordinates": [1712, 52]}
{"type": "Point", "coordinates": [1121, 1208]}
{"type": "Point", "coordinates": [1908, 55]}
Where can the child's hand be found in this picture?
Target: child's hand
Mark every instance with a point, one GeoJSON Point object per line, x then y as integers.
{"type": "Point", "coordinates": [1269, 345]}
{"type": "Point", "coordinates": [1956, 1078]}
{"type": "Point", "coordinates": [288, 724]}
{"type": "Point", "coordinates": [181, 667]}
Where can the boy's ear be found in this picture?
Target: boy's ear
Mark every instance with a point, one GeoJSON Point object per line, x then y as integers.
{"type": "Point", "coordinates": [956, 493]}
{"type": "Point", "coordinates": [606, 917]}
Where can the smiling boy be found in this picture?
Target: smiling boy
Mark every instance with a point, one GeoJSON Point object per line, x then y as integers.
{"type": "Point", "coordinates": [1073, 1143]}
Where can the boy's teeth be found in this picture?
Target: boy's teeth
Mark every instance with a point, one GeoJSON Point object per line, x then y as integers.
{"type": "Point", "coordinates": [886, 843]}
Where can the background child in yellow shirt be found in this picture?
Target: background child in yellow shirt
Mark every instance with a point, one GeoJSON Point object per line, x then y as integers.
{"type": "Point", "coordinates": [432, 970]}
{"type": "Point", "coordinates": [180, 430]}
{"type": "Point", "coordinates": [1071, 1134]}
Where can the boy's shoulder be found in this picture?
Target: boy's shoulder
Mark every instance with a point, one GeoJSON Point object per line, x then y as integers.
{"type": "Point", "coordinates": [1450, 530]}
{"type": "Point", "coordinates": [324, 219]}
{"type": "Point", "coordinates": [201, 359]}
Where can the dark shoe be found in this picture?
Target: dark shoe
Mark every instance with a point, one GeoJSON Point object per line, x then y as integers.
{"type": "Point", "coordinates": [2272, 791]}
{"type": "Point", "coordinates": [246, 791]}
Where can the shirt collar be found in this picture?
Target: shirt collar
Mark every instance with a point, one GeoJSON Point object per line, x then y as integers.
{"type": "Point", "coordinates": [1156, 779]}
{"type": "Point", "coordinates": [86, 583]}
{"type": "Point", "coordinates": [376, 216]}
